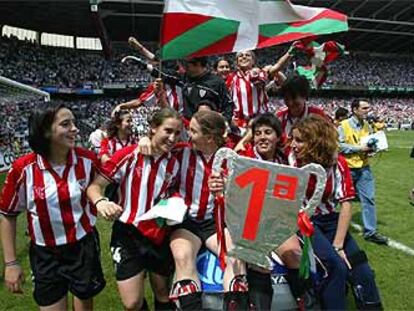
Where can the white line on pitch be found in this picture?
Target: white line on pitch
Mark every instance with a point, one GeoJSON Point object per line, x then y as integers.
{"type": "Point", "coordinates": [391, 242]}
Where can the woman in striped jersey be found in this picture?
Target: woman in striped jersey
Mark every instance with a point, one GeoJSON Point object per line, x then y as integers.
{"type": "Point", "coordinates": [248, 86]}
{"type": "Point", "coordinates": [267, 131]}
{"type": "Point", "coordinates": [247, 89]}
{"type": "Point", "coordinates": [139, 246]}
{"type": "Point", "coordinates": [315, 140]}
{"type": "Point", "coordinates": [50, 183]}
{"type": "Point", "coordinates": [119, 135]}
{"type": "Point", "coordinates": [207, 131]}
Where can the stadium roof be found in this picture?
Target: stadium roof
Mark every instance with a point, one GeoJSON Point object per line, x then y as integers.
{"type": "Point", "coordinates": [383, 26]}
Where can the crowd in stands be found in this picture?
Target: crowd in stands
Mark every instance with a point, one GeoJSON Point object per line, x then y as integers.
{"type": "Point", "coordinates": [38, 65]}
{"type": "Point", "coordinates": [43, 66]}
{"type": "Point", "coordinates": [395, 112]}
{"type": "Point", "coordinates": [363, 70]}
{"type": "Point", "coordinates": [91, 114]}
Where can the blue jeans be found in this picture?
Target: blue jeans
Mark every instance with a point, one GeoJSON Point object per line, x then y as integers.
{"type": "Point", "coordinates": [361, 277]}
{"type": "Point", "coordinates": [364, 185]}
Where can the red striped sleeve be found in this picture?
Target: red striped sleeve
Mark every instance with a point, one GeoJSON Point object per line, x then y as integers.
{"type": "Point", "coordinates": [104, 149]}
{"type": "Point", "coordinates": [148, 94]}
{"type": "Point", "coordinates": [110, 169]}
{"type": "Point", "coordinates": [10, 201]}
{"type": "Point", "coordinates": [318, 111]}
{"type": "Point", "coordinates": [348, 190]}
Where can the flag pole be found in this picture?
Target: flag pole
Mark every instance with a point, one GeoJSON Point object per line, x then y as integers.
{"type": "Point", "coordinates": [161, 40]}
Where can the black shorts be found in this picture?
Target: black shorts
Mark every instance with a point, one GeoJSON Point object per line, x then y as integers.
{"type": "Point", "coordinates": [73, 267]}
{"type": "Point", "coordinates": [202, 229]}
{"type": "Point", "coordinates": [132, 253]}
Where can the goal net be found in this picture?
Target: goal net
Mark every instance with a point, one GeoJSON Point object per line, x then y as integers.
{"type": "Point", "coordinates": [17, 100]}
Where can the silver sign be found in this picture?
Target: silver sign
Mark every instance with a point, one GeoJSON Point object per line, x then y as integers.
{"type": "Point", "coordinates": [262, 202]}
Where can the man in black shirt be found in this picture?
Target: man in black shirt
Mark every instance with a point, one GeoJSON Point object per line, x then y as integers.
{"type": "Point", "coordinates": [198, 84]}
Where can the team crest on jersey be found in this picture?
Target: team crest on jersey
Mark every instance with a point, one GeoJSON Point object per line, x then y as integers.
{"type": "Point", "coordinates": [39, 192]}
{"type": "Point", "coordinates": [202, 93]}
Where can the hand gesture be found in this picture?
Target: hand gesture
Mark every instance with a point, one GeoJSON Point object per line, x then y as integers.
{"type": "Point", "coordinates": [342, 254]}
{"type": "Point", "coordinates": [145, 146]}
{"type": "Point", "coordinates": [109, 210]}
{"type": "Point", "coordinates": [216, 183]}
{"type": "Point", "coordinates": [14, 278]}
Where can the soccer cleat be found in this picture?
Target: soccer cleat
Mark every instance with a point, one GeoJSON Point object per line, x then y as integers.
{"type": "Point", "coordinates": [376, 238]}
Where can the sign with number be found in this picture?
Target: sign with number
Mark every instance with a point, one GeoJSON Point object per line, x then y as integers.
{"type": "Point", "coordinates": [262, 202]}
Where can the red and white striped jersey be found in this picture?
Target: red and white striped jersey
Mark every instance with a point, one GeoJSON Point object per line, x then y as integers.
{"type": "Point", "coordinates": [143, 181]}
{"type": "Point", "coordinates": [110, 145]}
{"type": "Point", "coordinates": [339, 187]}
{"type": "Point", "coordinates": [58, 211]}
{"type": "Point", "coordinates": [174, 97]}
{"type": "Point", "coordinates": [288, 121]}
{"type": "Point", "coordinates": [248, 94]}
{"type": "Point", "coordinates": [251, 152]}
{"type": "Point", "coordinates": [195, 170]}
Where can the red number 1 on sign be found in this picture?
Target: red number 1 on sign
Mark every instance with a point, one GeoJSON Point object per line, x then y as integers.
{"type": "Point", "coordinates": [284, 188]}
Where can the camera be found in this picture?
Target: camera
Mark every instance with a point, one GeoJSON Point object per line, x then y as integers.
{"type": "Point", "coordinates": [372, 143]}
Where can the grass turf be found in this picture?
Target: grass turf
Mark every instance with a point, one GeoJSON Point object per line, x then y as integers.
{"type": "Point", "coordinates": [394, 173]}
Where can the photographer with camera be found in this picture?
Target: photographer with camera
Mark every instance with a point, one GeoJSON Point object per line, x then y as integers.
{"type": "Point", "coordinates": [351, 131]}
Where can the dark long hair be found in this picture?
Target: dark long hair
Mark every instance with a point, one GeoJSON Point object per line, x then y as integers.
{"type": "Point", "coordinates": [40, 124]}
{"type": "Point", "coordinates": [116, 121]}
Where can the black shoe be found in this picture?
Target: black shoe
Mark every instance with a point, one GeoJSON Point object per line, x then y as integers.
{"type": "Point", "coordinates": [376, 238]}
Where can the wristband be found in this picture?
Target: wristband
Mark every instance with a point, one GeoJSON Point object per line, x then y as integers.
{"type": "Point", "coordinates": [338, 249]}
{"type": "Point", "coordinates": [11, 263]}
{"type": "Point", "coordinates": [100, 200]}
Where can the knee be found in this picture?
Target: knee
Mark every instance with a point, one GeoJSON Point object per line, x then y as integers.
{"type": "Point", "coordinates": [363, 272]}
{"type": "Point", "coordinates": [133, 303]}
{"type": "Point", "coordinates": [161, 291]}
{"type": "Point", "coordinates": [291, 258]}
{"type": "Point", "coordinates": [184, 259]}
